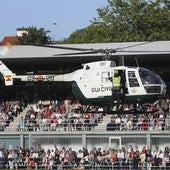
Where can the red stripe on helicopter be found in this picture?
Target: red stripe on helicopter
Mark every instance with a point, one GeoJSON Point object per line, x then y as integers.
{"type": "Point", "coordinates": [40, 78]}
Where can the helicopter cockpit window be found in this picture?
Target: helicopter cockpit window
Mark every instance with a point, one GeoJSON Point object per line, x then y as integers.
{"type": "Point", "coordinates": [149, 77]}
{"type": "Point", "coordinates": [112, 64]}
{"type": "Point", "coordinates": [105, 77]}
{"type": "Point", "coordinates": [133, 82]}
{"type": "Point", "coordinates": [150, 80]}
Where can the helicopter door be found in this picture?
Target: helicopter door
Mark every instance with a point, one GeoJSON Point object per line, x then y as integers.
{"type": "Point", "coordinates": [105, 77]}
{"type": "Point", "coordinates": [118, 85]}
{"type": "Point", "coordinates": [134, 85]}
{"type": "Point", "coordinates": [133, 81]}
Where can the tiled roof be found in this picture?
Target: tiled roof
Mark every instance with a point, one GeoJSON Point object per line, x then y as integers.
{"type": "Point", "coordinates": [9, 39]}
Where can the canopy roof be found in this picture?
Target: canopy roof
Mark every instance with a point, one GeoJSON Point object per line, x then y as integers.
{"type": "Point", "coordinates": [29, 57]}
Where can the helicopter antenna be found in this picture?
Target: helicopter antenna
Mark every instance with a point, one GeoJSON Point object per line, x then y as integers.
{"type": "Point", "coordinates": [136, 62]}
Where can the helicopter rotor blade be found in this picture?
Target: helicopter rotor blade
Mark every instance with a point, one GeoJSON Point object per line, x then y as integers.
{"type": "Point", "coordinates": [88, 52]}
{"type": "Point", "coordinates": [63, 47]}
{"type": "Point", "coordinates": [140, 51]}
{"type": "Point", "coordinates": [89, 49]}
{"type": "Point", "coordinates": [5, 49]}
{"type": "Point", "coordinates": [134, 45]}
{"type": "Point", "coordinates": [107, 53]}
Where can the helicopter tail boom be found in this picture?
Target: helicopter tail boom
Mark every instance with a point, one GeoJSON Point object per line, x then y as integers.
{"type": "Point", "coordinates": [5, 71]}
{"type": "Point", "coordinates": [48, 77]}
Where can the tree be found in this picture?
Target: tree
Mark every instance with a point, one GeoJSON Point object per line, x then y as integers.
{"type": "Point", "coordinates": [34, 36]}
{"type": "Point", "coordinates": [91, 34]}
{"type": "Point", "coordinates": [128, 20]}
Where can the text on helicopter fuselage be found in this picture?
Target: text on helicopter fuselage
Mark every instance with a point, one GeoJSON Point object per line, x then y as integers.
{"type": "Point", "coordinates": [100, 89]}
{"type": "Point", "coordinates": [40, 78]}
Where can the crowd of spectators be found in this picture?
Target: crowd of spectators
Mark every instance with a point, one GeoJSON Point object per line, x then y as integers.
{"type": "Point", "coordinates": [68, 116]}
{"type": "Point", "coordinates": [127, 158]}
{"type": "Point", "coordinates": [8, 111]}
{"type": "Point", "coordinates": [157, 118]}
{"type": "Point", "coordinates": [65, 115]}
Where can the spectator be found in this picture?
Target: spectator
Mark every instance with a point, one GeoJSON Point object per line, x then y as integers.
{"type": "Point", "coordinates": [65, 158]}
{"type": "Point", "coordinates": [10, 159]}
{"type": "Point", "coordinates": [149, 159]}
{"type": "Point", "coordinates": [117, 122]}
{"type": "Point", "coordinates": [129, 124]}
{"type": "Point", "coordinates": [79, 156]}
{"type": "Point", "coordinates": [121, 158]}
{"type": "Point", "coordinates": [143, 159]}
{"type": "Point", "coordinates": [156, 156]}
{"type": "Point", "coordinates": [131, 155]}
{"type": "Point", "coordinates": [2, 124]}
{"type": "Point", "coordinates": [22, 124]}
{"type": "Point", "coordinates": [31, 163]}
{"type": "Point", "coordinates": [111, 125]}
{"type": "Point", "coordinates": [145, 125]}
{"type": "Point", "coordinates": [35, 157]}
{"type": "Point", "coordinates": [136, 160]}
{"type": "Point", "coordinates": [54, 123]}
{"type": "Point", "coordinates": [50, 163]}
{"type": "Point", "coordinates": [114, 158]}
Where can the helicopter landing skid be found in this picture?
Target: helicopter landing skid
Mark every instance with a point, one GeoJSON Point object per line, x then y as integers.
{"type": "Point", "coordinates": [119, 109]}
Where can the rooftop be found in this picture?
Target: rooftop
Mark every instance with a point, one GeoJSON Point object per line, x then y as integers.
{"type": "Point", "coordinates": [9, 39]}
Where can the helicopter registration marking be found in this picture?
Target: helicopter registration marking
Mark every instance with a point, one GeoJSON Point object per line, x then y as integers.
{"type": "Point", "coordinates": [40, 78]}
{"type": "Point", "coordinates": [100, 89]}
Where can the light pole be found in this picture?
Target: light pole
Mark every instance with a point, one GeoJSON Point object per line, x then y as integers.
{"type": "Point", "coordinates": [55, 24]}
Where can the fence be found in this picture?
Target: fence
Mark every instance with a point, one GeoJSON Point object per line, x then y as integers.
{"type": "Point", "coordinates": [86, 164]}
{"type": "Point", "coordinates": [87, 139]}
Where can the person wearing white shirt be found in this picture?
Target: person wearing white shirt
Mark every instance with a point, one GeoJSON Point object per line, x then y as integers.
{"type": "Point", "coordinates": [121, 158]}
{"type": "Point", "coordinates": [117, 122]}
{"type": "Point", "coordinates": [52, 153]}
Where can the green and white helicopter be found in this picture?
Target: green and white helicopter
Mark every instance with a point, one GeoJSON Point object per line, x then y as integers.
{"type": "Point", "coordinates": [92, 85]}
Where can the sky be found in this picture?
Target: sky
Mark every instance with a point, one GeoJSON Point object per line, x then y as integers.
{"type": "Point", "coordinates": [69, 15]}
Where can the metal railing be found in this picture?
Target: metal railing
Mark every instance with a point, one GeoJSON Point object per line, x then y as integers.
{"type": "Point", "coordinates": [101, 124]}
{"type": "Point", "coordinates": [39, 163]}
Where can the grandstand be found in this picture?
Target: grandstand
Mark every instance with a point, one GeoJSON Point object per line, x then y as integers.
{"type": "Point", "coordinates": [97, 135]}
{"type": "Point", "coordinates": [86, 130]}
{"type": "Point", "coordinates": [72, 129]}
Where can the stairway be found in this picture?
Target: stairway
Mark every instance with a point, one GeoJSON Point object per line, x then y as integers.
{"type": "Point", "coordinates": [13, 126]}
{"type": "Point", "coordinates": [103, 124]}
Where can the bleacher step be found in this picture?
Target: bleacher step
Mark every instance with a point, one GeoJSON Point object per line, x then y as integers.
{"type": "Point", "coordinates": [13, 126]}
{"type": "Point", "coordinates": [102, 126]}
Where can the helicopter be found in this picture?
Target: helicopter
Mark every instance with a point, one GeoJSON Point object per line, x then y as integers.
{"type": "Point", "coordinates": [93, 84]}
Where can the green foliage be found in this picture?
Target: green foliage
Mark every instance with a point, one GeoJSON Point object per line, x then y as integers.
{"type": "Point", "coordinates": [35, 36]}
{"type": "Point", "coordinates": [127, 20]}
